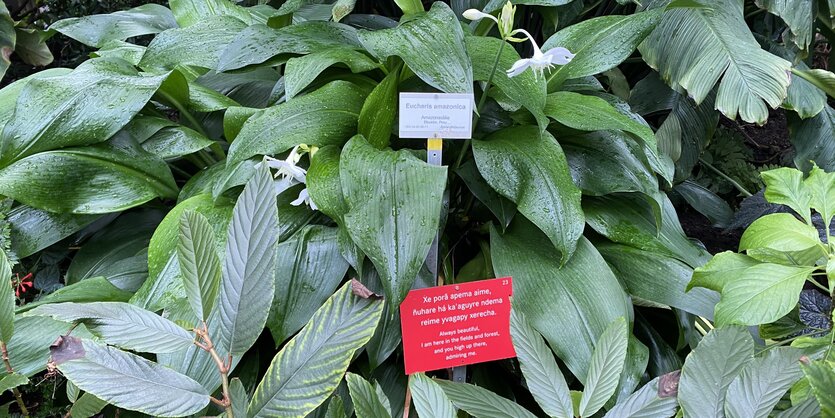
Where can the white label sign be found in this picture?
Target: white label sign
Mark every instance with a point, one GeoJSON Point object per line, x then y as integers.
{"type": "Point", "coordinates": [436, 115]}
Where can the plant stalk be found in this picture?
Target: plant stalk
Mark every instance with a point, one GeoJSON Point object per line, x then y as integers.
{"type": "Point", "coordinates": [223, 368]}
{"type": "Point", "coordinates": [733, 182]}
{"type": "Point", "coordinates": [9, 369]}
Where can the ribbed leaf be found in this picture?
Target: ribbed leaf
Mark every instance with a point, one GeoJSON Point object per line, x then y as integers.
{"type": "Point", "coordinates": [785, 186]}
{"type": "Point", "coordinates": [480, 402]}
{"type": "Point", "coordinates": [429, 399]}
{"type": "Point", "coordinates": [189, 12]}
{"type": "Point", "coordinates": [605, 367]}
{"type": "Point", "coordinates": [394, 203]}
{"type": "Point", "coordinates": [7, 299]}
{"type": "Point", "coordinates": [542, 374]}
{"type": "Point", "coordinates": [808, 408]}
{"type": "Point", "coordinates": [199, 263]}
{"type": "Point", "coordinates": [122, 324]}
{"type": "Point", "coordinates": [721, 269]}
{"type": "Point", "coordinates": [781, 232]}
{"type": "Point", "coordinates": [821, 186]}
{"type": "Point", "coordinates": [300, 72]}
{"type": "Point", "coordinates": [695, 47]}
{"type": "Point", "coordinates": [34, 229]}
{"type": "Point", "coordinates": [96, 30]}
{"type": "Point", "coordinates": [248, 284]}
{"type": "Point", "coordinates": [710, 368]}
{"type": "Point", "coordinates": [309, 367]}
{"type": "Point", "coordinates": [379, 112]}
{"type": "Point", "coordinates": [118, 377]}
{"type": "Point", "coordinates": [94, 289]}
{"type": "Point", "coordinates": [645, 403]}
{"type": "Point", "coordinates": [199, 45]}
{"type": "Point", "coordinates": [29, 348]}
{"type": "Point", "coordinates": [822, 379]}
{"type": "Point", "coordinates": [431, 44]}
{"type": "Point", "coordinates": [366, 402]}
{"type": "Point", "coordinates": [798, 15]}
{"type": "Point", "coordinates": [529, 168]}
{"type": "Point", "coordinates": [761, 294]}
{"type": "Point", "coordinates": [762, 382]}
{"type": "Point", "coordinates": [239, 397]}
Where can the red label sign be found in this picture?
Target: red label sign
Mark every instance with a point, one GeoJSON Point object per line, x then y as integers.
{"type": "Point", "coordinates": [455, 325]}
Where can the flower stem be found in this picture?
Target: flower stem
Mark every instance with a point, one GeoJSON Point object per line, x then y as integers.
{"type": "Point", "coordinates": [10, 370]}
{"type": "Point", "coordinates": [223, 368]}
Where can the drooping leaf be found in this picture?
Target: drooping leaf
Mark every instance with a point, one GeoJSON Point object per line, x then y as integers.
{"type": "Point", "coordinates": [530, 169]}
{"type": "Point", "coordinates": [34, 229]}
{"type": "Point", "coordinates": [761, 294]}
{"type": "Point", "coordinates": [799, 16]}
{"type": "Point", "coordinates": [706, 202]}
{"type": "Point", "coordinates": [710, 368]}
{"type": "Point", "coordinates": [394, 206]}
{"type": "Point", "coordinates": [502, 208]}
{"type": "Point", "coordinates": [542, 374]}
{"type": "Point", "coordinates": [695, 47]}
{"type": "Point", "coordinates": [199, 263]}
{"type": "Point", "coordinates": [87, 406]}
{"type": "Point", "coordinates": [821, 186]}
{"type": "Point", "coordinates": [116, 377]}
{"type": "Point", "coordinates": [480, 402]}
{"type": "Point", "coordinates": [122, 324]}
{"type": "Point", "coordinates": [7, 299]}
{"type": "Point", "coordinates": [822, 379]}
{"type": "Point", "coordinates": [811, 139]}
{"type": "Point", "coordinates": [309, 367]}
{"type": "Point", "coordinates": [190, 12]}
{"type": "Point", "coordinates": [7, 39]}
{"type": "Point", "coordinates": [556, 299]}
{"type": "Point", "coordinates": [327, 116]}
{"type": "Point", "coordinates": [11, 381]}
{"type": "Point", "coordinates": [785, 186]}
{"type": "Point", "coordinates": [366, 402]}
{"type": "Point", "coordinates": [379, 111]}
{"type": "Point", "coordinates": [248, 285]}
{"type": "Point", "coordinates": [649, 401]}
{"type": "Point", "coordinates": [96, 30]}
{"type": "Point", "coordinates": [432, 45]}
{"type": "Point", "coordinates": [762, 382]}
{"type": "Point", "coordinates": [300, 72]}
{"type": "Point", "coordinates": [429, 399]}
{"type": "Point", "coordinates": [199, 45]}
{"type": "Point", "coordinates": [605, 367]}
{"type": "Point", "coordinates": [720, 270]}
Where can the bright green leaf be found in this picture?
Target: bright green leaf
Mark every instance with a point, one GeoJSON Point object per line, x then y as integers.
{"type": "Point", "coordinates": [762, 382]}
{"type": "Point", "coordinates": [199, 263]}
{"type": "Point", "coordinates": [11, 381]}
{"type": "Point", "coordinates": [366, 402]}
{"type": "Point", "coordinates": [761, 294]}
{"type": "Point", "coordinates": [781, 232]}
{"type": "Point", "coordinates": [822, 379]}
{"type": "Point", "coordinates": [785, 186]}
{"type": "Point", "coordinates": [300, 72]}
{"type": "Point", "coordinates": [720, 270]}
{"type": "Point", "coordinates": [379, 112]}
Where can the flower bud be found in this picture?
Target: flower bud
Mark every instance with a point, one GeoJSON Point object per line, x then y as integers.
{"type": "Point", "coordinates": [506, 19]}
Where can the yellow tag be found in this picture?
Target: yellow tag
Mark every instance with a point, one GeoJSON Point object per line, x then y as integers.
{"type": "Point", "coordinates": [434, 144]}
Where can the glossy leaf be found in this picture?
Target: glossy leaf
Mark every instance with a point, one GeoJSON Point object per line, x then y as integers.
{"type": "Point", "coordinates": [324, 185]}
{"type": "Point", "coordinates": [378, 113]}
{"type": "Point", "coordinates": [199, 263]}
{"type": "Point", "coordinates": [34, 229]}
{"type": "Point", "coordinates": [762, 294]}
{"type": "Point", "coordinates": [429, 399]}
{"type": "Point", "coordinates": [300, 72]}
{"type": "Point", "coordinates": [199, 45]}
{"type": "Point", "coordinates": [96, 30]}
{"type": "Point", "coordinates": [309, 367]}
{"type": "Point", "coordinates": [190, 12]}
{"type": "Point", "coordinates": [811, 140]}
{"type": "Point", "coordinates": [95, 289]}
{"type": "Point", "coordinates": [175, 142]}
{"type": "Point", "coordinates": [706, 202]}
{"type": "Point", "coordinates": [116, 377]}
{"type": "Point", "coordinates": [605, 367]}
{"type": "Point", "coordinates": [502, 208]}
{"type": "Point", "coordinates": [366, 402]}
{"type": "Point", "coordinates": [391, 196]}
{"type": "Point", "coordinates": [7, 39]}
{"type": "Point", "coordinates": [800, 17]}
{"type": "Point", "coordinates": [480, 402]}
{"type": "Point", "coordinates": [762, 382]}
{"type": "Point", "coordinates": [327, 116]}
{"type": "Point", "coordinates": [7, 299]}
{"type": "Point", "coordinates": [821, 186]}
{"type": "Point", "coordinates": [432, 45]}
{"type": "Point", "coordinates": [248, 285]}
{"type": "Point", "coordinates": [122, 324]}
{"type": "Point", "coordinates": [530, 169]}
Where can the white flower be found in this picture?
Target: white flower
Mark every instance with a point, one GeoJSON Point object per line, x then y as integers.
{"type": "Point", "coordinates": [474, 14]}
{"type": "Point", "coordinates": [504, 21]}
{"type": "Point", "coordinates": [540, 61]}
{"type": "Point", "coordinates": [304, 197]}
{"type": "Point", "coordinates": [289, 175]}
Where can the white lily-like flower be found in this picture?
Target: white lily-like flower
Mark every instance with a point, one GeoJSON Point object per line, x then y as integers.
{"type": "Point", "coordinates": [540, 61]}
{"type": "Point", "coordinates": [304, 197]}
{"type": "Point", "coordinates": [504, 21]}
{"type": "Point", "coordinates": [474, 14]}
{"type": "Point", "coordinates": [290, 174]}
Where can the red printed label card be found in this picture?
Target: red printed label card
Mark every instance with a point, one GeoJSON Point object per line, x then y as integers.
{"type": "Point", "coordinates": [456, 325]}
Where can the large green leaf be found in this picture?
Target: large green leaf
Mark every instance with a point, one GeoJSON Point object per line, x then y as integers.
{"type": "Point", "coordinates": [174, 142]}
{"type": "Point", "coordinates": [394, 206]}
{"type": "Point", "coordinates": [607, 363]}
{"type": "Point", "coordinates": [785, 186]}
{"type": "Point", "coordinates": [366, 402]}
{"type": "Point", "coordinates": [199, 263]}
{"type": "Point", "coordinates": [781, 232]}
{"type": "Point", "coordinates": [721, 269]}
{"type": "Point", "coordinates": [561, 302]}
{"type": "Point", "coordinates": [117, 377]}
{"type": "Point", "coordinates": [248, 284]}
{"type": "Point", "coordinates": [96, 30]}
{"type": "Point", "coordinates": [79, 108]}
{"type": "Point", "coordinates": [95, 289]}
{"type": "Point", "coordinates": [300, 72]}
{"type": "Point", "coordinates": [431, 44]}
{"type": "Point", "coordinates": [122, 324]}
{"type": "Point", "coordinates": [798, 15]}
{"type": "Point", "coordinates": [199, 45]}
{"type": "Point", "coordinates": [29, 348]}
{"type": "Point", "coordinates": [821, 186]}
{"type": "Point", "coordinates": [429, 399]}
{"type": "Point", "coordinates": [542, 374]}
{"type": "Point", "coordinates": [87, 406]}
{"type": "Point", "coordinates": [761, 294]}
{"type": "Point", "coordinates": [762, 382]}
{"type": "Point", "coordinates": [695, 47]}
{"type": "Point", "coordinates": [308, 268]}
{"type": "Point", "coordinates": [808, 408]}
{"type": "Point", "coordinates": [12, 380]}
{"type": "Point", "coordinates": [822, 379]}
{"type": "Point", "coordinates": [190, 12]}
{"type": "Point", "coordinates": [34, 229]}
{"type": "Point", "coordinates": [10, 93]}
{"type": "Point", "coordinates": [600, 44]}
{"type": "Point", "coordinates": [529, 168]}
{"type": "Point", "coordinates": [7, 39]}
{"type": "Point", "coordinates": [309, 367]}
{"type": "Point", "coordinates": [710, 368]}
{"type": "Point", "coordinates": [324, 185]}
{"type": "Point", "coordinates": [647, 402]}
{"type": "Point", "coordinates": [379, 112]}
{"type": "Point", "coordinates": [480, 402]}
{"type": "Point", "coordinates": [7, 299]}
{"type": "Point", "coordinates": [327, 116]}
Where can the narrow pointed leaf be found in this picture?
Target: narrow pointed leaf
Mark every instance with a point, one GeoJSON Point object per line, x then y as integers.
{"type": "Point", "coordinates": [366, 402]}
{"type": "Point", "coordinates": [480, 402]}
{"type": "Point", "coordinates": [7, 299]}
{"type": "Point", "coordinates": [429, 399]}
{"type": "Point", "coordinates": [239, 397]}
{"type": "Point", "coordinates": [300, 72]}
{"type": "Point", "coordinates": [379, 111]}
{"type": "Point", "coordinates": [199, 263]}
{"type": "Point", "coordinates": [605, 367]}
{"type": "Point", "coordinates": [647, 402]}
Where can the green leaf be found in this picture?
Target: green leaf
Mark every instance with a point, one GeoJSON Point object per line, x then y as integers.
{"type": "Point", "coordinates": [248, 285]}
{"type": "Point", "coordinates": [821, 186]}
{"type": "Point", "coordinates": [29, 348]}
{"type": "Point", "coordinates": [600, 44]}
{"type": "Point", "coordinates": [240, 399]}
{"type": "Point", "coordinates": [695, 47]}
{"type": "Point", "coordinates": [785, 186]}
{"type": "Point", "coordinates": [309, 367]}
{"type": "Point", "coordinates": [706, 202]}
{"type": "Point", "coordinates": [96, 30]}
{"type": "Point", "coordinates": [11, 381]}
{"type": "Point", "coordinates": [503, 209]}
{"type": "Point", "coordinates": [122, 325]}
{"type": "Point", "coordinates": [87, 406]}
{"type": "Point", "coordinates": [807, 408]}
{"type": "Point", "coordinates": [410, 7]}
{"type": "Point", "coordinates": [525, 88]}
{"type": "Point", "coordinates": [377, 117]}
{"type": "Point", "coordinates": [104, 178]}
{"type": "Point", "coordinates": [300, 72]}
{"type": "Point", "coordinates": [198, 45]}
{"type": "Point", "coordinates": [720, 270]}
{"type": "Point", "coordinates": [542, 374]}
{"type": "Point", "coordinates": [761, 294]}
{"type": "Point", "coordinates": [530, 169]}
{"type": "Point", "coordinates": [811, 139]}
{"type": "Point", "coordinates": [7, 299]}
{"type": "Point", "coordinates": [394, 206]}
{"type": "Point", "coordinates": [822, 79]}
{"type": "Point", "coordinates": [429, 399]}
{"type": "Point", "coordinates": [366, 402]}
{"type": "Point", "coordinates": [327, 116]}
{"type": "Point", "coordinates": [822, 379]}
{"type": "Point", "coordinates": [7, 39]}
{"type": "Point", "coordinates": [174, 142]}
{"type": "Point", "coordinates": [781, 232]}
{"type": "Point", "coordinates": [710, 368]}
{"type": "Point", "coordinates": [75, 109]}
{"type": "Point", "coordinates": [31, 48]}
{"type": "Point", "coordinates": [560, 302]}
{"type": "Point", "coordinates": [432, 45]}
{"type": "Point", "coordinates": [190, 12]}
{"type": "Point", "coordinates": [799, 16]}
{"type": "Point", "coordinates": [646, 402]}
{"type": "Point", "coordinates": [342, 8]}
{"type": "Point", "coordinates": [95, 289]}
{"type": "Point", "coordinates": [480, 402]}
{"type": "Point", "coordinates": [762, 382]}
{"type": "Point", "coordinates": [605, 367]}
{"type": "Point", "coordinates": [308, 269]}
{"type": "Point", "coordinates": [324, 185]}
{"type": "Point", "coordinates": [199, 263]}
{"type": "Point", "coordinates": [121, 50]}
{"type": "Point", "coordinates": [34, 229]}
{"type": "Point", "coordinates": [116, 377]}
